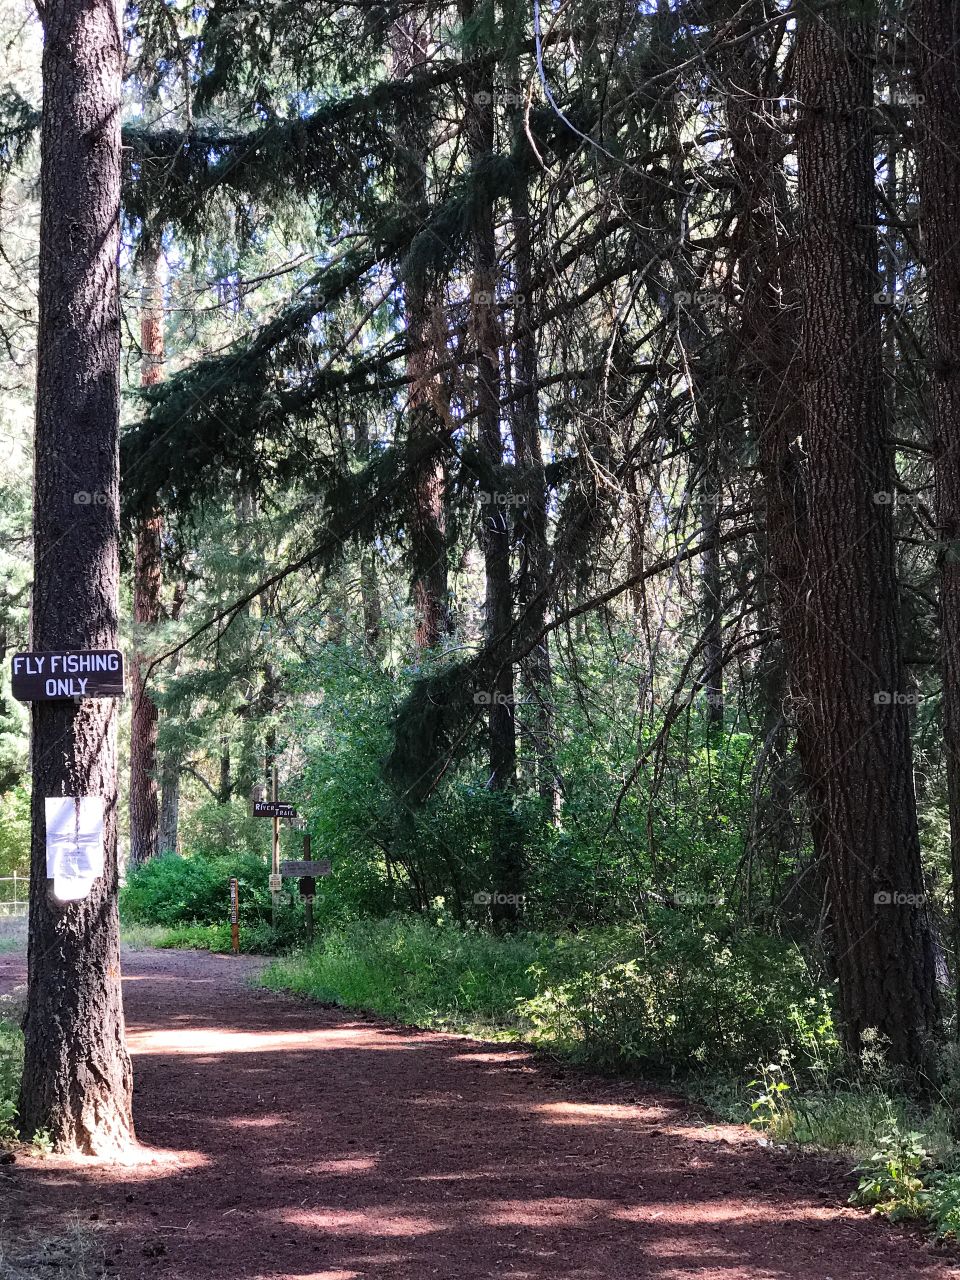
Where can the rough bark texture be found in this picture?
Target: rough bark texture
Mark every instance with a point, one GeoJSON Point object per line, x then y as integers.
{"type": "Point", "coordinates": [169, 823]}
{"type": "Point", "coordinates": [495, 525]}
{"type": "Point", "coordinates": [940, 200]}
{"type": "Point", "coordinates": [147, 607]}
{"type": "Point", "coordinates": [881, 936]}
{"type": "Point", "coordinates": [531, 522]}
{"type": "Point", "coordinates": [77, 1077]}
{"type": "Point", "coordinates": [765, 252]}
{"type": "Point", "coordinates": [369, 582]}
{"type": "Point", "coordinates": [428, 538]}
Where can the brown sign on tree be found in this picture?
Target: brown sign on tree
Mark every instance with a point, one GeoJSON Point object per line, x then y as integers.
{"type": "Point", "coordinates": [61, 675]}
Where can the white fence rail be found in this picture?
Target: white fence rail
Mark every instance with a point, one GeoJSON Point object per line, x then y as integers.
{"type": "Point", "coordinates": [14, 896]}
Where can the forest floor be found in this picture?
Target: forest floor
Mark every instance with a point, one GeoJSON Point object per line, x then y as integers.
{"type": "Point", "coordinates": [282, 1139]}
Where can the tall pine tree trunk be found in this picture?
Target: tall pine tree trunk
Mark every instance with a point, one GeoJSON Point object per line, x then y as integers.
{"type": "Point", "coordinates": [77, 1078]}
{"type": "Point", "coordinates": [498, 613]}
{"type": "Point", "coordinates": [428, 536]}
{"type": "Point", "coordinates": [169, 820]}
{"type": "Point", "coordinates": [940, 200]}
{"type": "Point", "coordinates": [147, 583]}
{"type": "Point", "coordinates": [532, 598]}
{"type": "Point", "coordinates": [369, 585]}
{"type": "Point", "coordinates": [765, 253]}
{"type": "Point", "coordinates": [882, 941]}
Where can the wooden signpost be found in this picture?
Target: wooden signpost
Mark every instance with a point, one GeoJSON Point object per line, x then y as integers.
{"type": "Point", "coordinates": [61, 675]}
{"type": "Point", "coordinates": [235, 914]}
{"type": "Point", "coordinates": [306, 869]}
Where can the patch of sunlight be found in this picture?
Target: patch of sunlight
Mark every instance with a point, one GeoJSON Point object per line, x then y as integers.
{"type": "Point", "coordinates": [555, 1212]}
{"type": "Point", "coordinates": [358, 1222]}
{"type": "Point", "coordinates": [590, 1112]}
{"type": "Point", "coordinates": [698, 1213]}
{"type": "Point", "coordinates": [136, 1161]}
{"type": "Point", "coordinates": [218, 1040]}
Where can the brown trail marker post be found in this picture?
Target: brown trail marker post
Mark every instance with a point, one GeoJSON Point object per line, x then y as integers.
{"type": "Point", "coordinates": [235, 914]}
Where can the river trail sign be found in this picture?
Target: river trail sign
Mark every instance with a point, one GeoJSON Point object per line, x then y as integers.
{"type": "Point", "coordinates": [273, 809]}
{"type": "Point", "coordinates": [65, 674]}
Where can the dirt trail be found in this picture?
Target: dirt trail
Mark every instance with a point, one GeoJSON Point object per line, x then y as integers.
{"type": "Point", "coordinates": [284, 1140]}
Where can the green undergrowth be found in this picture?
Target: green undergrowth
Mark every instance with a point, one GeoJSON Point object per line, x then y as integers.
{"type": "Point", "coordinates": [255, 939]}
{"type": "Point", "coordinates": [660, 1000]}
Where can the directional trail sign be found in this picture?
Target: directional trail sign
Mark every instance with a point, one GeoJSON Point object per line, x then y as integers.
{"type": "Point", "coordinates": [321, 867]}
{"type": "Point", "coordinates": [273, 809]}
{"type": "Point", "coordinates": [64, 674]}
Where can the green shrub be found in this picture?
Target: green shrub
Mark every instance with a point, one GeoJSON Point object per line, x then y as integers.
{"type": "Point", "coordinates": [11, 1068]}
{"type": "Point", "coordinates": [15, 831]}
{"type": "Point", "coordinates": [674, 1002]}
{"type": "Point", "coordinates": [170, 890]}
{"type": "Point", "coordinates": [209, 828]}
{"type": "Point", "coordinates": [679, 1000]}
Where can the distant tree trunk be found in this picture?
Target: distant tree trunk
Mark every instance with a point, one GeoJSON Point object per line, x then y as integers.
{"type": "Point", "coordinates": [223, 787]}
{"type": "Point", "coordinates": [428, 535]}
{"type": "Point", "coordinates": [169, 822]}
{"type": "Point", "coordinates": [881, 934]}
{"type": "Point", "coordinates": [495, 523]}
{"type": "Point", "coordinates": [169, 833]}
{"type": "Point", "coordinates": [712, 601]}
{"type": "Point", "coordinates": [940, 200]}
{"type": "Point", "coordinates": [147, 583]}
{"type": "Point", "coordinates": [531, 523]}
{"type": "Point", "coordinates": [77, 1079]}
{"type": "Point", "coordinates": [369, 586]}
{"type": "Point", "coordinates": [768, 367]}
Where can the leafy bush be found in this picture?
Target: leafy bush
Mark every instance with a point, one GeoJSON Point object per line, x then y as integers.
{"type": "Point", "coordinates": [170, 890]}
{"type": "Point", "coordinates": [15, 832]}
{"type": "Point", "coordinates": [626, 998]}
{"type": "Point", "coordinates": [678, 999]}
{"type": "Point", "coordinates": [11, 1069]}
{"type": "Point", "coordinates": [209, 828]}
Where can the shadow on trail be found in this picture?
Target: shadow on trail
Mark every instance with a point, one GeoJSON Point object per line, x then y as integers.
{"type": "Point", "coordinates": [283, 1139]}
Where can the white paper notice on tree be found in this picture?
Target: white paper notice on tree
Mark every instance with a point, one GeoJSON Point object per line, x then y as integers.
{"type": "Point", "coordinates": [74, 844]}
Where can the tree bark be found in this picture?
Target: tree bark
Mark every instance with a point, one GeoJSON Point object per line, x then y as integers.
{"type": "Point", "coordinates": [765, 251]}
{"type": "Point", "coordinates": [369, 585]}
{"type": "Point", "coordinates": [940, 200]}
{"type": "Point", "coordinates": [147, 607]}
{"type": "Point", "coordinates": [428, 534]}
{"type": "Point", "coordinates": [77, 1078]}
{"type": "Point", "coordinates": [531, 523]}
{"type": "Point", "coordinates": [506, 860]}
{"type": "Point", "coordinates": [881, 934]}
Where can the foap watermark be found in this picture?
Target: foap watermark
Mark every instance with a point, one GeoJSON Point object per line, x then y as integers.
{"type": "Point", "coordinates": [486, 97]}
{"type": "Point", "coordinates": [902, 98]}
{"type": "Point", "coordinates": [698, 297]}
{"type": "Point", "coordinates": [884, 498]}
{"type": "Point", "coordinates": [895, 898]}
{"type": "Point", "coordinates": [891, 698]}
{"type": "Point", "coordinates": [502, 499]}
{"type": "Point", "coordinates": [498, 899]}
{"type": "Point", "coordinates": [690, 898]}
{"type": "Point", "coordinates": [83, 498]}
{"type": "Point", "coordinates": [493, 698]}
